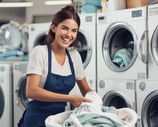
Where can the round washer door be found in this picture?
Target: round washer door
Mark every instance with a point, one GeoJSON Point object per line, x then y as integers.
{"type": "Point", "coordinates": [21, 94]}
{"type": "Point", "coordinates": [154, 45]}
{"type": "Point", "coordinates": [1, 102]}
{"type": "Point", "coordinates": [85, 47]}
{"type": "Point", "coordinates": [119, 46]}
{"type": "Point", "coordinates": [116, 99]}
{"type": "Point", "coordinates": [40, 39]}
{"type": "Point", "coordinates": [149, 112]}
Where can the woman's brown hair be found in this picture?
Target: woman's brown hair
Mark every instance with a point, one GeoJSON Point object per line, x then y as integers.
{"type": "Point", "coordinates": [68, 12]}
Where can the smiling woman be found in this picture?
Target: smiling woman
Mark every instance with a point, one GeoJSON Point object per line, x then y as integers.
{"type": "Point", "coordinates": [53, 70]}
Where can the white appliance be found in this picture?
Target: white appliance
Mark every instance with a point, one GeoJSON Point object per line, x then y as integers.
{"type": "Point", "coordinates": [153, 41]}
{"type": "Point", "coordinates": [37, 34]}
{"type": "Point", "coordinates": [87, 49]}
{"type": "Point", "coordinates": [117, 93]}
{"type": "Point", "coordinates": [147, 102]}
{"type": "Point", "coordinates": [19, 96]}
{"type": "Point", "coordinates": [6, 95]}
{"type": "Point", "coordinates": [121, 44]}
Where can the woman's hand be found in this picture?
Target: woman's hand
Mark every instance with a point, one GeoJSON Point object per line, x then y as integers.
{"type": "Point", "coordinates": [76, 100]}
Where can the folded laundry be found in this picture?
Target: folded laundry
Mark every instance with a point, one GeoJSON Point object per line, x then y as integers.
{"type": "Point", "coordinates": [91, 6]}
{"type": "Point", "coordinates": [13, 55]}
{"type": "Point", "coordinates": [94, 2]}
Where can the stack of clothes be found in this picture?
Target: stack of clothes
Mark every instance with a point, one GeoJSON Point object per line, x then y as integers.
{"type": "Point", "coordinates": [91, 6]}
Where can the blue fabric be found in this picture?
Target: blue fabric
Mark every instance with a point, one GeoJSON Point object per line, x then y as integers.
{"type": "Point", "coordinates": [94, 2]}
{"type": "Point", "coordinates": [38, 111]}
{"type": "Point", "coordinates": [122, 57]}
{"type": "Point", "coordinates": [89, 8]}
{"type": "Point", "coordinates": [108, 118]}
{"type": "Point", "coordinates": [13, 55]}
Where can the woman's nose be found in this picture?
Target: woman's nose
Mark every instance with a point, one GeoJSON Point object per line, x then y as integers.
{"type": "Point", "coordinates": [68, 33]}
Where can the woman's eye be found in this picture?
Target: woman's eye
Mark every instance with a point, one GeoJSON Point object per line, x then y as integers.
{"type": "Point", "coordinates": [64, 28]}
{"type": "Point", "coordinates": [74, 31]}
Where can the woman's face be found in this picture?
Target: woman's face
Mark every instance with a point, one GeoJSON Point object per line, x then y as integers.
{"type": "Point", "coordinates": [65, 32]}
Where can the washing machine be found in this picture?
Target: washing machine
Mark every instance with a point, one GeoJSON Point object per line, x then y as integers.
{"type": "Point", "coordinates": [117, 93]}
{"type": "Point", "coordinates": [147, 102]}
{"type": "Point", "coordinates": [6, 95]}
{"type": "Point", "coordinates": [153, 41]}
{"type": "Point", "coordinates": [87, 46]}
{"type": "Point", "coordinates": [37, 34]}
{"type": "Point", "coordinates": [122, 44]}
{"type": "Point", "coordinates": [19, 86]}
{"type": "Point", "coordinates": [87, 49]}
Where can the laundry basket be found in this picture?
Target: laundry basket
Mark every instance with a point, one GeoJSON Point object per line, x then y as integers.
{"type": "Point", "coordinates": [124, 113]}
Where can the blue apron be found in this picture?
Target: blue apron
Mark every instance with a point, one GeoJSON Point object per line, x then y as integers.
{"type": "Point", "coordinates": [38, 111]}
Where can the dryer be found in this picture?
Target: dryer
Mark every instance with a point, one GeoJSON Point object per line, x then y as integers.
{"type": "Point", "coordinates": [117, 93]}
{"type": "Point", "coordinates": [37, 34]}
{"type": "Point", "coordinates": [147, 102]}
{"type": "Point", "coordinates": [122, 44]}
{"type": "Point", "coordinates": [19, 85]}
{"type": "Point", "coordinates": [6, 95]}
{"type": "Point", "coordinates": [153, 41]}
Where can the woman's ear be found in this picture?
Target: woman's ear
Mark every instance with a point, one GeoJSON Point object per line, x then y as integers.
{"type": "Point", "coordinates": [53, 28]}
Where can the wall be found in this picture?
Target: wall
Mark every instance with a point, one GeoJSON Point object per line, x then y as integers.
{"type": "Point", "coordinates": [38, 13]}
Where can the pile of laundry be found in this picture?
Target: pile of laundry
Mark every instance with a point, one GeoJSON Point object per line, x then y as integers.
{"type": "Point", "coordinates": [93, 115]}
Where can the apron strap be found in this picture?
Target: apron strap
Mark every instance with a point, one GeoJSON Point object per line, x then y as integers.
{"type": "Point", "coordinates": [49, 58]}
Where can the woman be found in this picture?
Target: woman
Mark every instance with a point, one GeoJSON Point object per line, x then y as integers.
{"type": "Point", "coordinates": [53, 70]}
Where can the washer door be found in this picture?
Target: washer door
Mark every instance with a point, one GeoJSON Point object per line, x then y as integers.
{"type": "Point", "coordinates": [40, 39]}
{"type": "Point", "coordinates": [85, 47]}
{"type": "Point", "coordinates": [1, 102]}
{"type": "Point", "coordinates": [119, 47]}
{"type": "Point", "coordinates": [21, 94]}
{"type": "Point", "coordinates": [149, 113]}
{"type": "Point", "coordinates": [116, 99]}
{"type": "Point", "coordinates": [154, 45]}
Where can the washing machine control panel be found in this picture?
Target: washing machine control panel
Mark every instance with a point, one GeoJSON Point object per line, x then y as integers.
{"type": "Point", "coordinates": [137, 13]}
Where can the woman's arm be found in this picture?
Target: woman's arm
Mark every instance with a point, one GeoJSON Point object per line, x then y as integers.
{"type": "Point", "coordinates": [35, 92]}
{"type": "Point", "coordinates": [83, 86]}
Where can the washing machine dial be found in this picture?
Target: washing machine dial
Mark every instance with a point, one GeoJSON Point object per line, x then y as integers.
{"type": "Point", "coordinates": [101, 84]}
{"type": "Point", "coordinates": [142, 86]}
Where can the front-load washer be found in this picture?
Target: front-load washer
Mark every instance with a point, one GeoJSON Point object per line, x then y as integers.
{"type": "Point", "coordinates": [6, 95]}
{"type": "Point", "coordinates": [122, 44]}
{"type": "Point", "coordinates": [19, 85]}
{"type": "Point", "coordinates": [117, 93]}
{"type": "Point", "coordinates": [87, 46]}
{"type": "Point", "coordinates": [153, 41]}
{"type": "Point", "coordinates": [87, 49]}
{"type": "Point", "coordinates": [37, 34]}
{"type": "Point", "coordinates": [147, 102]}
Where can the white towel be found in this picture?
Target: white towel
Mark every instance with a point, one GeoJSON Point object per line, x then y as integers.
{"type": "Point", "coordinates": [95, 106]}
